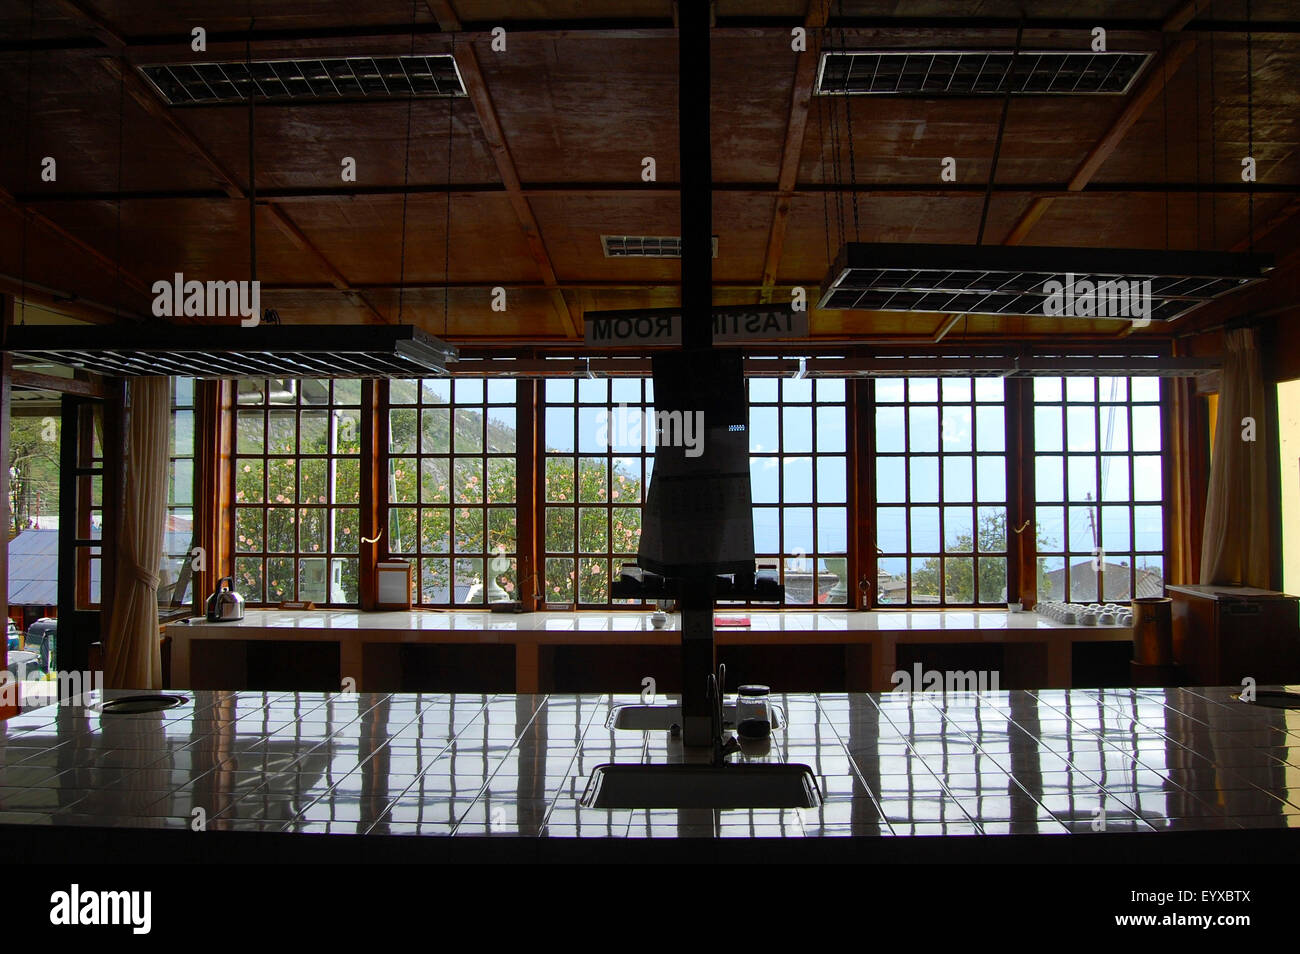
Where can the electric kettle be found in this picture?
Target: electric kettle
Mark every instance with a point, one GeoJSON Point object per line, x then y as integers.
{"type": "Point", "coordinates": [225, 604]}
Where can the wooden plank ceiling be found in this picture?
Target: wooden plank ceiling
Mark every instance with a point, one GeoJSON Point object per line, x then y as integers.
{"type": "Point", "coordinates": [546, 156]}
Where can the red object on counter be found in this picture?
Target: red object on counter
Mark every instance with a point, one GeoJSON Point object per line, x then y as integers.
{"type": "Point", "coordinates": [733, 621]}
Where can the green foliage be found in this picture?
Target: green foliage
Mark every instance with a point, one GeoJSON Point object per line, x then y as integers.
{"type": "Point", "coordinates": [303, 495]}
{"type": "Point", "coordinates": [455, 514]}
{"type": "Point", "coordinates": [612, 526]}
{"type": "Point", "coordinates": [34, 468]}
{"type": "Point", "coordinates": [959, 586]}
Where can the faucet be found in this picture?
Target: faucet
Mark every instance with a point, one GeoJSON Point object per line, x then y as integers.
{"type": "Point", "coordinates": [720, 749]}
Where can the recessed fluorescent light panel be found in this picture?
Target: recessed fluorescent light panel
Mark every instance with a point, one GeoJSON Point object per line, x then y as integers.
{"type": "Point", "coordinates": [212, 351]}
{"type": "Point", "coordinates": [307, 80]}
{"type": "Point", "coordinates": [1043, 281]}
{"type": "Point", "coordinates": [646, 246]}
{"type": "Point", "coordinates": [977, 72]}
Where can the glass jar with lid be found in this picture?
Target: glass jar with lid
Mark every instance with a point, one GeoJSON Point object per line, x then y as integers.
{"type": "Point", "coordinates": [753, 712]}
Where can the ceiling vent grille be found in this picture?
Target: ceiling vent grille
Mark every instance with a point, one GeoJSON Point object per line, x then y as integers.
{"type": "Point", "coordinates": [308, 80]}
{"type": "Point", "coordinates": [1042, 281]}
{"type": "Point", "coordinates": [977, 72]}
{"type": "Point", "coordinates": [646, 246]}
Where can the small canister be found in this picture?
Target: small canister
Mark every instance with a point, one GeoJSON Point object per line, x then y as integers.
{"type": "Point", "coordinates": [1153, 630]}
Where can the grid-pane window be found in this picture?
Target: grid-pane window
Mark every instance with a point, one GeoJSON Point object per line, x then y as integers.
{"type": "Point", "coordinates": [941, 491]}
{"type": "Point", "coordinates": [90, 505]}
{"type": "Point", "coordinates": [452, 497]}
{"type": "Point", "coordinates": [297, 490]}
{"type": "Point", "coordinates": [597, 463]}
{"type": "Point", "coordinates": [177, 585]}
{"type": "Point", "coordinates": [1098, 488]}
{"type": "Point", "coordinates": [798, 462]}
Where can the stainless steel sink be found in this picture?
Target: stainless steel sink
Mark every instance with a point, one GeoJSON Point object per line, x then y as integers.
{"type": "Point", "coordinates": [643, 718]}
{"type": "Point", "coordinates": [687, 786]}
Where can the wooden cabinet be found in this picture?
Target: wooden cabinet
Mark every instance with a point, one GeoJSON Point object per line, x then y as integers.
{"type": "Point", "coordinates": [1223, 634]}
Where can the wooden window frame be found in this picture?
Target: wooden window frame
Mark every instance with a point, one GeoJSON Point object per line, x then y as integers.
{"type": "Point", "coordinates": [216, 455]}
{"type": "Point", "coordinates": [1129, 502]}
{"type": "Point", "coordinates": [815, 504]}
{"type": "Point", "coordinates": [910, 555]}
{"type": "Point", "coordinates": [523, 425]}
{"type": "Point", "coordinates": [329, 553]}
{"type": "Point", "coordinates": [612, 558]}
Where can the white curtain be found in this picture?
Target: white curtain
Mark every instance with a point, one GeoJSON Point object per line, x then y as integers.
{"type": "Point", "coordinates": [133, 657]}
{"type": "Point", "coordinates": [1235, 547]}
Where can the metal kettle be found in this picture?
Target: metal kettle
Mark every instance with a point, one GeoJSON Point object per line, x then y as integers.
{"type": "Point", "coordinates": [225, 604]}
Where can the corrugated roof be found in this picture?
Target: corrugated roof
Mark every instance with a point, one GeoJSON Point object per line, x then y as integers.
{"type": "Point", "coordinates": [34, 568]}
{"type": "Point", "coordinates": [34, 563]}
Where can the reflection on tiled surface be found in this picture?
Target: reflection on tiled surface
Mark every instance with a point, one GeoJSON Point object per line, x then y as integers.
{"type": "Point", "coordinates": [1049, 762]}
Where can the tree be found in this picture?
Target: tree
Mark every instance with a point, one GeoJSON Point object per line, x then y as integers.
{"type": "Point", "coordinates": [597, 487]}
{"type": "Point", "coordinates": [33, 469]}
{"type": "Point", "coordinates": [959, 587]}
{"type": "Point", "coordinates": [452, 511]}
{"type": "Point", "coordinates": [302, 494]}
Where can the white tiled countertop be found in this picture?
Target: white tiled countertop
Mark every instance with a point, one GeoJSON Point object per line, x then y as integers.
{"type": "Point", "coordinates": [354, 631]}
{"type": "Point", "coordinates": [986, 764]}
{"type": "Point", "coordinates": [761, 621]}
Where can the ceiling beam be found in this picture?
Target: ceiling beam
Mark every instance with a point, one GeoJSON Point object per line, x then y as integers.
{"type": "Point", "coordinates": [86, 386]}
{"type": "Point", "coordinates": [475, 86]}
{"type": "Point", "coordinates": [147, 97]}
{"type": "Point", "coordinates": [1275, 221]}
{"type": "Point", "coordinates": [1183, 15]}
{"type": "Point", "coordinates": [60, 301]}
{"type": "Point", "coordinates": [946, 326]}
{"type": "Point", "coordinates": [445, 15]}
{"type": "Point", "coordinates": [796, 126]}
{"type": "Point", "coordinates": [1165, 66]}
{"type": "Point", "coordinates": [653, 28]}
{"type": "Point", "coordinates": [1151, 87]}
{"type": "Point", "coordinates": [102, 30]}
{"type": "Point", "coordinates": [289, 195]}
{"type": "Point", "coordinates": [18, 208]}
{"type": "Point", "coordinates": [148, 100]}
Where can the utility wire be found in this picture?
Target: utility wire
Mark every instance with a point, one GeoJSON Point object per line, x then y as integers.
{"type": "Point", "coordinates": [1250, 128]}
{"type": "Point", "coordinates": [848, 115]}
{"type": "Point", "coordinates": [1164, 103]}
{"type": "Point", "coordinates": [406, 176]}
{"type": "Point", "coordinates": [252, 153]}
{"type": "Point", "coordinates": [446, 247]}
{"type": "Point", "coordinates": [27, 155]}
{"type": "Point", "coordinates": [1002, 126]}
{"type": "Point", "coordinates": [826, 208]}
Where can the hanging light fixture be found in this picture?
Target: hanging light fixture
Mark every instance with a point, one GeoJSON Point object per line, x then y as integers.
{"type": "Point", "coordinates": [1129, 284]}
{"type": "Point", "coordinates": [1050, 281]}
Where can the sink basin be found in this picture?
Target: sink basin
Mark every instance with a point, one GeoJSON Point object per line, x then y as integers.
{"type": "Point", "coordinates": [662, 717]}
{"type": "Point", "coordinates": [743, 785]}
